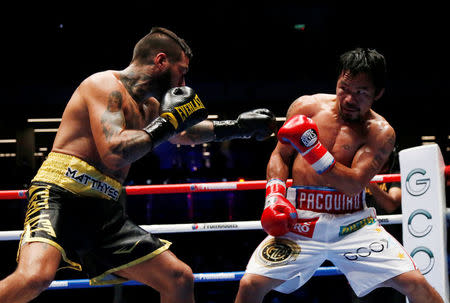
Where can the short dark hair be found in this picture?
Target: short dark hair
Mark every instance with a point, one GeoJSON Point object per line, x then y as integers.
{"type": "Point", "coordinates": [364, 60]}
{"type": "Point", "coordinates": [160, 39]}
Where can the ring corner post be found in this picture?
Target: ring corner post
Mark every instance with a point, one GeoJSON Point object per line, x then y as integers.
{"type": "Point", "coordinates": [424, 228]}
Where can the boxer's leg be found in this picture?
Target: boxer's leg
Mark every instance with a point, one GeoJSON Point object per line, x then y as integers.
{"type": "Point", "coordinates": [172, 278]}
{"type": "Point", "coordinates": [37, 266]}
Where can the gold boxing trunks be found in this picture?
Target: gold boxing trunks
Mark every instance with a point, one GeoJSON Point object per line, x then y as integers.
{"type": "Point", "coordinates": [79, 211]}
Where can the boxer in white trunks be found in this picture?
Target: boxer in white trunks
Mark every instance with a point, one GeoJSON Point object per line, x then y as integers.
{"type": "Point", "coordinates": [323, 215]}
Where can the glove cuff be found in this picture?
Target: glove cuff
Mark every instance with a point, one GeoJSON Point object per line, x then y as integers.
{"type": "Point", "coordinates": [274, 187]}
{"type": "Point", "coordinates": [319, 158]}
{"type": "Point", "coordinates": [159, 131]}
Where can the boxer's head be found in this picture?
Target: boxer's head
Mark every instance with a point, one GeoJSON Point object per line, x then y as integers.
{"type": "Point", "coordinates": [166, 54]}
{"type": "Point", "coordinates": [361, 81]}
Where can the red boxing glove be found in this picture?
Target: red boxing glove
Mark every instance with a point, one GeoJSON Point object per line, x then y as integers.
{"type": "Point", "coordinates": [279, 214]}
{"type": "Point", "coordinates": [302, 133]}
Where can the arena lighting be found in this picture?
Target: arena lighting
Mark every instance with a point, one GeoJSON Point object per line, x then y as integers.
{"type": "Point", "coordinates": [31, 120]}
{"type": "Point", "coordinates": [44, 120]}
{"type": "Point", "coordinates": [428, 138]}
{"type": "Point", "coordinates": [45, 130]}
{"type": "Point", "coordinates": [12, 155]}
{"type": "Point", "coordinates": [7, 155]}
{"type": "Point", "coordinates": [7, 141]}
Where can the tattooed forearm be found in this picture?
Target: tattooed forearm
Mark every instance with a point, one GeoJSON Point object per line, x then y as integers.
{"type": "Point", "coordinates": [134, 145]}
{"type": "Point", "coordinates": [199, 133]}
{"type": "Point", "coordinates": [125, 146]}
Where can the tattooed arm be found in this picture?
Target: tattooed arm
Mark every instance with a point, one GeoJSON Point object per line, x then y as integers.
{"type": "Point", "coordinates": [117, 147]}
{"type": "Point", "coordinates": [200, 133]}
{"type": "Point", "coordinates": [367, 162]}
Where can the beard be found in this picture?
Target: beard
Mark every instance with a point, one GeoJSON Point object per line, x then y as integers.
{"type": "Point", "coordinates": [349, 114]}
{"type": "Point", "coordinates": [141, 87]}
{"type": "Point", "coordinates": [160, 84]}
{"type": "Point", "coordinates": [150, 86]}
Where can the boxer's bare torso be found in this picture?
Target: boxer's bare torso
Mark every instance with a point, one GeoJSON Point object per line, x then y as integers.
{"type": "Point", "coordinates": [100, 107]}
{"type": "Point", "coordinates": [345, 140]}
{"type": "Point", "coordinates": [359, 139]}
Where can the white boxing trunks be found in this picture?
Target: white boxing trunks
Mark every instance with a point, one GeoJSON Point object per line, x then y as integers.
{"type": "Point", "coordinates": [335, 227]}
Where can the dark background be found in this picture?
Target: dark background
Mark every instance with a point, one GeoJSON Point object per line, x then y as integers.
{"type": "Point", "coordinates": [245, 56]}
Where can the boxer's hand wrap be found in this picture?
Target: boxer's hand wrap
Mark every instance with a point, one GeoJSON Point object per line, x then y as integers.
{"type": "Point", "coordinates": [180, 108]}
{"type": "Point", "coordinates": [302, 133]}
{"type": "Point", "coordinates": [279, 214]}
{"type": "Point", "coordinates": [258, 123]}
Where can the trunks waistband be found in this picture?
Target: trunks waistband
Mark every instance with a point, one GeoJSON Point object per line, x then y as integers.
{"type": "Point", "coordinates": [77, 176]}
{"type": "Point", "coordinates": [325, 200]}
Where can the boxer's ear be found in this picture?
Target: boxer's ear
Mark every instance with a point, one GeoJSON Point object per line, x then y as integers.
{"type": "Point", "coordinates": [379, 94]}
{"type": "Point", "coordinates": [160, 60]}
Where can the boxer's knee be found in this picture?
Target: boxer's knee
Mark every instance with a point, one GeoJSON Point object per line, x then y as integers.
{"type": "Point", "coordinates": [247, 284]}
{"type": "Point", "coordinates": [253, 286]}
{"type": "Point", "coordinates": [34, 279]}
{"type": "Point", "coordinates": [414, 285]}
{"type": "Point", "coordinates": [37, 265]}
{"type": "Point", "coordinates": [37, 277]}
{"type": "Point", "coordinates": [181, 280]}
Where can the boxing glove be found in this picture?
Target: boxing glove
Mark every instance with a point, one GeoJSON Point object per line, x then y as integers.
{"type": "Point", "coordinates": [279, 214]}
{"type": "Point", "coordinates": [180, 108]}
{"type": "Point", "coordinates": [302, 133]}
{"type": "Point", "coordinates": [258, 123]}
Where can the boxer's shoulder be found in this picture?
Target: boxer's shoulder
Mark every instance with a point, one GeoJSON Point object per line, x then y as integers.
{"type": "Point", "coordinates": [310, 105]}
{"type": "Point", "coordinates": [100, 77]}
{"type": "Point", "coordinates": [101, 84]}
{"type": "Point", "coordinates": [379, 131]}
{"type": "Point", "coordinates": [378, 124]}
{"type": "Point", "coordinates": [314, 98]}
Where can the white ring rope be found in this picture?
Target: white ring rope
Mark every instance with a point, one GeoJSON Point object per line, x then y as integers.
{"type": "Point", "coordinates": [210, 226]}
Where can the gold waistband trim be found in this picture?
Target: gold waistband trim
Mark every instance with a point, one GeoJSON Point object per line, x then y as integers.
{"type": "Point", "coordinates": [77, 176]}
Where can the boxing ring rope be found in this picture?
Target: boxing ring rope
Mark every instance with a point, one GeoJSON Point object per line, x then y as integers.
{"type": "Point", "coordinates": [203, 277]}
{"type": "Point", "coordinates": [198, 227]}
{"type": "Point", "coordinates": [207, 227]}
{"type": "Point", "coordinates": [194, 187]}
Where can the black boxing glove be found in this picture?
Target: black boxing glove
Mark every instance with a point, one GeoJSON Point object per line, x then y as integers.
{"type": "Point", "coordinates": [180, 108]}
{"type": "Point", "coordinates": [258, 123]}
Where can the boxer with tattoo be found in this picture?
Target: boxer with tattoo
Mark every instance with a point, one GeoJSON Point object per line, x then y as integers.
{"type": "Point", "coordinates": [323, 215]}
{"type": "Point", "coordinates": [75, 216]}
